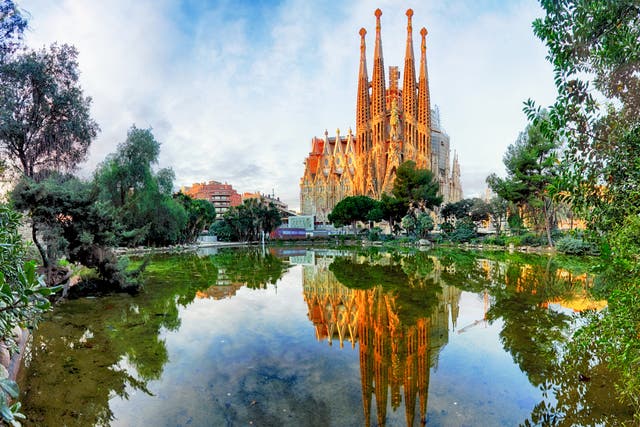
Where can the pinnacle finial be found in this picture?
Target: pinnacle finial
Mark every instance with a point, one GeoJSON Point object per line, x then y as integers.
{"type": "Point", "coordinates": [409, 13]}
{"type": "Point", "coordinates": [378, 13]}
{"type": "Point", "coordinates": [424, 32]}
{"type": "Point", "coordinates": [338, 131]}
{"type": "Point", "coordinates": [363, 32]}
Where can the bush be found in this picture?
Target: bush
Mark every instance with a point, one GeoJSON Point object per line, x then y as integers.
{"type": "Point", "coordinates": [531, 239]}
{"type": "Point", "coordinates": [375, 234]}
{"type": "Point", "coordinates": [575, 246]}
{"type": "Point", "coordinates": [495, 240]}
{"type": "Point", "coordinates": [23, 296]}
{"type": "Point", "coordinates": [465, 231]}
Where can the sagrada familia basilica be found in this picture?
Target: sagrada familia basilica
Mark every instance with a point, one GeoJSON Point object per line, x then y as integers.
{"type": "Point", "coordinates": [393, 125]}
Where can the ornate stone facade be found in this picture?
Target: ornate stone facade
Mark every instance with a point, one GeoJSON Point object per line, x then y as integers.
{"type": "Point", "coordinates": [392, 125]}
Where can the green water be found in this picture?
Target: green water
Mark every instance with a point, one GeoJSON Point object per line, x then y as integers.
{"type": "Point", "coordinates": [325, 338]}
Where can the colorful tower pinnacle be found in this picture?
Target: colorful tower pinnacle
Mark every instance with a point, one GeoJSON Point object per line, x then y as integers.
{"type": "Point", "coordinates": [409, 81]}
{"type": "Point", "coordinates": [363, 103]}
{"type": "Point", "coordinates": [378, 84]}
{"type": "Point", "coordinates": [424, 108]}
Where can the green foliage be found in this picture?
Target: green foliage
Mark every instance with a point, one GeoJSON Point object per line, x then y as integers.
{"type": "Point", "coordinates": [532, 170]}
{"type": "Point", "coordinates": [418, 224]}
{"type": "Point", "coordinates": [142, 198]}
{"type": "Point", "coordinates": [495, 240]}
{"type": "Point", "coordinates": [352, 209]}
{"type": "Point", "coordinates": [498, 212]}
{"type": "Point", "coordinates": [575, 246]}
{"type": "Point", "coordinates": [475, 209]}
{"type": "Point", "coordinates": [416, 188]}
{"type": "Point", "coordinates": [392, 208]}
{"type": "Point", "coordinates": [516, 224]}
{"type": "Point", "coordinates": [407, 278]}
{"type": "Point", "coordinates": [375, 234]}
{"type": "Point", "coordinates": [74, 225]}
{"type": "Point", "coordinates": [594, 48]}
{"type": "Point", "coordinates": [456, 210]}
{"type": "Point", "coordinates": [200, 215]}
{"type": "Point", "coordinates": [44, 117]}
{"type": "Point", "coordinates": [23, 298]}
{"type": "Point", "coordinates": [248, 221]}
{"type": "Point", "coordinates": [531, 239]}
{"type": "Point", "coordinates": [463, 232]}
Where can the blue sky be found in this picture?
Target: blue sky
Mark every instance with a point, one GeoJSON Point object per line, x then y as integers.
{"type": "Point", "coordinates": [235, 90]}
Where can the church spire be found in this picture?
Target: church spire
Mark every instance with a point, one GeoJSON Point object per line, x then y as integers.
{"type": "Point", "coordinates": [363, 103]}
{"type": "Point", "coordinates": [378, 85]}
{"type": "Point", "coordinates": [424, 107]}
{"type": "Point", "coordinates": [409, 81]}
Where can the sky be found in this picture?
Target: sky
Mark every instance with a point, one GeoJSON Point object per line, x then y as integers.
{"type": "Point", "coordinates": [234, 90]}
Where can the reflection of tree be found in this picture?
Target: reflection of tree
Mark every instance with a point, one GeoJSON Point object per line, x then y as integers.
{"type": "Point", "coordinates": [89, 350]}
{"type": "Point", "coordinates": [577, 388]}
{"type": "Point", "coordinates": [250, 267]}
{"type": "Point", "coordinates": [393, 308]}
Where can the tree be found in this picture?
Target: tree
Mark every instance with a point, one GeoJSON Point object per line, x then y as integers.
{"type": "Point", "coordinates": [498, 212]}
{"type": "Point", "coordinates": [453, 211]}
{"type": "Point", "coordinates": [420, 225]}
{"type": "Point", "coordinates": [200, 215]}
{"type": "Point", "coordinates": [12, 26]}
{"type": "Point", "coordinates": [44, 117]}
{"type": "Point", "coordinates": [392, 209]}
{"type": "Point", "coordinates": [416, 188]}
{"type": "Point", "coordinates": [142, 198]}
{"type": "Point", "coordinates": [595, 51]}
{"type": "Point", "coordinates": [76, 226]}
{"type": "Point", "coordinates": [248, 222]}
{"type": "Point", "coordinates": [594, 47]}
{"type": "Point", "coordinates": [531, 164]}
{"type": "Point", "coordinates": [352, 209]}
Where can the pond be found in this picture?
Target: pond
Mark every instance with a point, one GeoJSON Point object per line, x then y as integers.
{"type": "Point", "coordinates": [296, 337]}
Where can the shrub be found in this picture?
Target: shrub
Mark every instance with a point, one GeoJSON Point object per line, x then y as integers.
{"type": "Point", "coordinates": [531, 239]}
{"type": "Point", "coordinates": [495, 240]}
{"type": "Point", "coordinates": [23, 297]}
{"type": "Point", "coordinates": [375, 234]}
{"type": "Point", "coordinates": [575, 246]}
{"type": "Point", "coordinates": [465, 231]}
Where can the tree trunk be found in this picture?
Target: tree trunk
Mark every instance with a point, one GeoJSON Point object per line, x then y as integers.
{"type": "Point", "coordinates": [43, 253]}
{"type": "Point", "coordinates": [547, 221]}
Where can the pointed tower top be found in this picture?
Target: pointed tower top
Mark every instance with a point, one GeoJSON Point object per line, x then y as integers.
{"type": "Point", "coordinates": [409, 80]}
{"type": "Point", "coordinates": [363, 32]}
{"type": "Point", "coordinates": [378, 84]}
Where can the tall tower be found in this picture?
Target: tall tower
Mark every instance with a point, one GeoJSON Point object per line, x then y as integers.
{"type": "Point", "coordinates": [379, 119]}
{"type": "Point", "coordinates": [424, 109]}
{"type": "Point", "coordinates": [409, 94]}
{"type": "Point", "coordinates": [363, 119]}
{"type": "Point", "coordinates": [393, 125]}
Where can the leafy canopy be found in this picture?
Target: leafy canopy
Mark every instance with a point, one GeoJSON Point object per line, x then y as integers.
{"type": "Point", "coordinates": [45, 123]}
{"type": "Point", "coordinates": [416, 188]}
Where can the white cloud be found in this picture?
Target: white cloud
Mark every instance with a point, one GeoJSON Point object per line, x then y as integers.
{"type": "Point", "coordinates": [236, 94]}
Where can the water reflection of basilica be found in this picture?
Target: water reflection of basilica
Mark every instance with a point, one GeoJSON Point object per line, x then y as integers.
{"type": "Point", "coordinates": [395, 357]}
